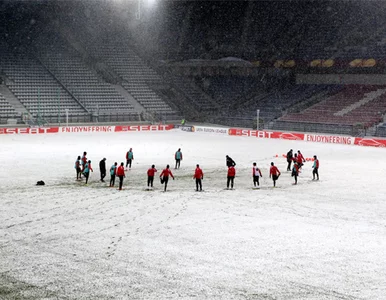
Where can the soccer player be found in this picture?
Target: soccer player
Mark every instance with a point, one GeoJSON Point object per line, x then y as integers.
{"type": "Point", "coordinates": [178, 158]}
{"type": "Point", "coordinates": [102, 169]}
{"type": "Point", "coordinates": [256, 173]}
{"type": "Point", "coordinates": [113, 172]}
{"type": "Point", "coordinates": [84, 160]}
{"type": "Point", "coordinates": [77, 168]}
{"type": "Point", "coordinates": [87, 169]}
{"type": "Point", "coordinates": [289, 159]}
{"type": "Point", "coordinates": [231, 176]}
{"type": "Point", "coordinates": [315, 168]}
{"type": "Point", "coordinates": [129, 158]}
{"type": "Point", "coordinates": [300, 159]}
{"type": "Point", "coordinates": [150, 175]}
{"type": "Point", "coordinates": [164, 176]}
{"type": "Point", "coordinates": [274, 173]}
{"type": "Point", "coordinates": [121, 174]}
{"type": "Point", "coordinates": [295, 172]}
{"type": "Point", "coordinates": [199, 176]}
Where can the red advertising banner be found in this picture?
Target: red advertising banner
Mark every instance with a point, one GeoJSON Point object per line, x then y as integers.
{"type": "Point", "coordinates": [87, 129]}
{"type": "Point", "coordinates": [316, 138]}
{"type": "Point", "coordinates": [29, 130]}
{"type": "Point", "coordinates": [370, 142]}
{"type": "Point", "coordinates": [330, 139]}
{"type": "Point", "coordinates": [144, 128]}
{"type": "Point", "coordinates": [266, 134]}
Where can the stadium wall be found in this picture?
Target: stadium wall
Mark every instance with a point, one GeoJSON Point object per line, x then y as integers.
{"type": "Point", "coordinates": [260, 134]}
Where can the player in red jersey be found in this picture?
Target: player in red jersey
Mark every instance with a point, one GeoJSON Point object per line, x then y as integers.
{"type": "Point", "coordinates": [231, 176]}
{"type": "Point", "coordinates": [300, 159]}
{"type": "Point", "coordinates": [198, 175]}
{"type": "Point", "coordinates": [150, 175]}
{"type": "Point", "coordinates": [164, 176]}
{"type": "Point", "coordinates": [274, 173]}
{"type": "Point", "coordinates": [121, 174]}
{"type": "Point", "coordinates": [84, 160]}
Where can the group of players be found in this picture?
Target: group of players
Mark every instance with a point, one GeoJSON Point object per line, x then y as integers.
{"type": "Point", "coordinates": [83, 167]}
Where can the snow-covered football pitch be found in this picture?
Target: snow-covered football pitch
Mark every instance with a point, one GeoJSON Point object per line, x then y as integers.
{"type": "Point", "coordinates": [65, 240]}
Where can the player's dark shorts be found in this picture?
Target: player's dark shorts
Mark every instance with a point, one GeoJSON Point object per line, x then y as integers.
{"type": "Point", "coordinates": [315, 171]}
{"type": "Point", "coordinates": [275, 177]}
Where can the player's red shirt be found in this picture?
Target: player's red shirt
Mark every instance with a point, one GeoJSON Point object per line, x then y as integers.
{"type": "Point", "coordinates": [166, 173]}
{"type": "Point", "coordinates": [151, 171]}
{"type": "Point", "coordinates": [198, 174]}
{"type": "Point", "coordinates": [121, 171]}
{"type": "Point", "coordinates": [231, 171]}
{"type": "Point", "coordinates": [274, 171]}
{"type": "Point", "coordinates": [301, 157]}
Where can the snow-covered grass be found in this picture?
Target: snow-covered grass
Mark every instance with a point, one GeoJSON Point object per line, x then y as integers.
{"type": "Point", "coordinates": [65, 240]}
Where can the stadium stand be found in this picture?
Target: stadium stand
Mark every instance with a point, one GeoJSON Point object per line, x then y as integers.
{"type": "Point", "coordinates": [35, 88]}
{"type": "Point", "coordinates": [91, 91]}
{"type": "Point", "coordinates": [228, 90]}
{"type": "Point", "coordinates": [6, 109]}
{"type": "Point", "coordinates": [201, 101]}
{"type": "Point", "coordinates": [135, 73]}
{"type": "Point", "coordinates": [353, 105]}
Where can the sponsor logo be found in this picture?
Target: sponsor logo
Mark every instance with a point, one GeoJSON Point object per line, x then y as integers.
{"type": "Point", "coordinates": [187, 128]}
{"type": "Point", "coordinates": [87, 129]}
{"type": "Point", "coordinates": [29, 130]}
{"type": "Point", "coordinates": [144, 127]}
{"type": "Point", "coordinates": [217, 130]}
{"type": "Point", "coordinates": [254, 133]}
{"type": "Point", "coordinates": [372, 143]}
{"type": "Point", "coordinates": [290, 136]}
{"type": "Point", "coordinates": [332, 139]}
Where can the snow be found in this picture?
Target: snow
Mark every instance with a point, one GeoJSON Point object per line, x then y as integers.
{"type": "Point", "coordinates": [317, 240]}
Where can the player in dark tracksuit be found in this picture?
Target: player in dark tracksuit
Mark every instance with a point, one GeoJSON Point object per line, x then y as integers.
{"type": "Point", "coordinates": [102, 169]}
{"type": "Point", "coordinates": [289, 159]}
{"type": "Point", "coordinates": [150, 176]}
{"type": "Point", "coordinates": [164, 176]}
